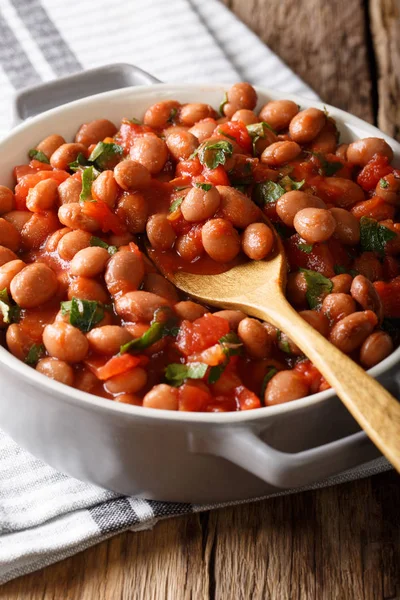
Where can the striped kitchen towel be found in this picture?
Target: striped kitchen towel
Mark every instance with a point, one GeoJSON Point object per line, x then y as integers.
{"type": "Point", "coordinates": [44, 515]}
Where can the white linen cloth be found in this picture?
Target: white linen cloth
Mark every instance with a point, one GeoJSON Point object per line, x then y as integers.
{"type": "Point", "coordinates": [46, 516]}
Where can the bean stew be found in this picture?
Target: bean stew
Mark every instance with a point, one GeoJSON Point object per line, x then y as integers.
{"type": "Point", "coordinates": [82, 304]}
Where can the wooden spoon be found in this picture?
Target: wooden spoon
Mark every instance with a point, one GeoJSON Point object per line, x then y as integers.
{"type": "Point", "coordinates": [257, 288]}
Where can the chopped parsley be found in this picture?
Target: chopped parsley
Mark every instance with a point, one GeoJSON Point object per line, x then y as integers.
{"type": "Point", "coordinates": [96, 241]}
{"type": "Point", "coordinates": [150, 337]}
{"type": "Point", "coordinates": [9, 311]}
{"type": "Point", "coordinates": [83, 314]}
{"type": "Point", "coordinates": [267, 378]}
{"type": "Point", "coordinates": [339, 269]}
{"type": "Point", "coordinates": [327, 168]}
{"type": "Point", "coordinates": [383, 183]}
{"type": "Point", "coordinates": [106, 155]}
{"type": "Point", "coordinates": [88, 176]}
{"type": "Point", "coordinates": [231, 346]}
{"type": "Point", "coordinates": [176, 374]}
{"type": "Point", "coordinates": [257, 132]}
{"type": "Point", "coordinates": [267, 192]}
{"type": "Point", "coordinates": [318, 286]}
{"type": "Point", "coordinates": [290, 184]}
{"type": "Point", "coordinates": [176, 204]}
{"type": "Point", "coordinates": [79, 164]}
{"type": "Point", "coordinates": [307, 248]}
{"type": "Point", "coordinates": [213, 154]}
{"type": "Point", "coordinates": [35, 353]}
{"type": "Point", "coordinates": [38, 155]}
{"type": "Point", "coordinates": [204, 186]}
{"type": "Point", "coordinates": [374, 236]}
{"type": "Point", "coordinates": [172, 115]}
{"type": "Point", "coordinates": [221, 106]}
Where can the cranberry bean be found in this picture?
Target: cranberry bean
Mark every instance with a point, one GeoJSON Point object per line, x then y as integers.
{"type": "Point", "coordinates": [159, 115]}
{"type": "Point", "coordinates": [108, 339]}
{"type": "Point", "coordinates": [72, 242]}
{"type": "Point", "coordinates": [347, 228]}
{"type": "Point", "coordinates": [85, 380]}
{"type": "Point", "coordinates": [72, 216]}
{"type": "Point", "coordinates": [351, 331]}
{"type": "Point", "coordinates": [325, 141]}
{"type": "Point", "coordinates": [50, 144]}
{"type": "Point", "coordinates": [87, 289]}
{"type": "Point", "coordinates": [157, 284]}
{"type": "Point", "coordinates": [6, 255]}
{"type": "Point", "coordinates": [257, 241]}
{"type": "Point", "coordinates": [95, 131]}
{"type": "Point", "coordinates": [285, 386]}
{"type": "Point", "coordinates": [6, 200]}
{"type": "Point", "coordinates": [220, 240]}
{"type": "Point", "coordinates": [314, 224]}
{"type": "Point", "coordinates": [203, 129]}
{"type": "Point", "coordinates": [105, 188]}
{"type": "Point", "coordinates": [69, 190]}
{"type": "Point", "coordinates": [130, 382]}
{"type": "Point", "coordinates": [37, 229]}
{"type": "Point", "coordinates": [368, 264]}
{"type": "Point", "coordinates": [18, 218]}
{"type": "Point", "coordinates": [131, 175]}
{"type": "Point", "coordinates": [66, 154]}
{"type": "Point", "coordinates": [65, 342]}
{"type": "Point", "coordinates": [8, 271]}
{"type": "Point", "coordinates": [296, 288]}
{"type": "Point", "coordinates": [89, 262]}
{"type": "Point", "coordinates": [361, 151]}
{"type": "Point", "coordinates": [34, 285]}
{"type": "Point", "coordinates": [200, 204]}
{"type": "Point", "coordinates": [150, 151]}
{"type": "Point", "coordinates": [306, 125]}
{"type": "Point", "coordinates": [289, 204]}
{"type": "Point", "coordinates": [248, 117]}
{"type": "Point", "coordinates": [341, 151]}
{"type": "Point", "coordinates": [120, 240]}
{"type": "Point", "coordinates": [375, 348]}
{"type": "Point", "coordinates": [240, 95]}
{"type": "Point", "coordinates": [190, 114]}
{"type": "Point", "coordinates": [139, 306]}
{"type": "Point", "coordinates": [279, 113]}
{"type": "Point", "coordinates": [189, 311]}
{"type": "Point", "coordinates": [234, 317]}
{"type": "Point", "coordinates": [43, 196]}
{"type": "Point", "coordinates": [162, 396]}
{"type": "Point", "coordinates": [189, 247]}
{"type": "Point", "coordinates": [124, 272]}
{"type": "Point", "coordinates": [56, 369]}
{"type": "Point", "coordinates": [342, 192]}
{"type": "Point", "coordinates": [237, 207]}
{"type": "Point", "coordinates": [9, 236]}
{"type": "Point", "coordinates": [132, 209]}
{"type": "Point", "coordinates": [387, 188]}
{"type": "Point", "coordinates": [128, 399]}
{"type": "Point", "coordinates": [341, 283]}
{"type": "Point", "coordinates": [18, 342]}
{"type": "Point", "coordinates": [160, 232]}
{"type": "Point", "coordinates": [317, 320]}
{"type": "Point", "coordinates": [255, 338]}
{"type": "Point", "coordinates": [337, 305]}
{"type": "Point", "coordinates": [182, 144]}
{"type": "Point", "coordinates": [279, 153]}
{"type": "Point", "coordinates": [366, 295]}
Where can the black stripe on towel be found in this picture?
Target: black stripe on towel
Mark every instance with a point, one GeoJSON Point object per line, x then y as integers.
{"type": "Point", "coordinates": [16, 64]}
{"type": "Point", "coordinates": [50, 41]}
{"type": "Point", "coordinates": [169, 509]}
{"type": "Point", "coordinates": [113, 515]}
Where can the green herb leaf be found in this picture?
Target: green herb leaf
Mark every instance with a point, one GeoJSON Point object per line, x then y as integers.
{"type": "Point", "coordinates": [290, 184]}
{"type": "Point", "coordinates": [213, 154]}
{"type": "Point", "coordinates": [96, 241]}
{"type": "Point", "coordinates": [339, 269]}
{"type": "Point", "coordinates": [307, 248]}
{"type": "Point", "coordinates": [231, 346]}
{"type": "Point", "coordinates": [79, 164]}
{"type": "Point", "coordinates": [83, 314]}
{"type": "Point", "coordinates": [216, 372]}
{"type": "Point", "coordinates": [176, 204]}
{"type": "Point", "coordinates": [35, 353]}
{"type": "Point", "coordinates": [135, 121]}
{"type": "Point", "coordinates": [257, 132]}
{"type": "Point", "coordinates": [38, 155]}
{"type": "Point", "coordinates": [383, 183]}
{"type": "Point", "coordinates": [282, 230]}
{"type": "Point", "coordinates": [328, 168]}
{"type": "Point", "coordinates": [176, 374]}
{"type": "Point", "coordinates": [172, 115]}
{"type": "Point", "coordinates": [105, 155]}
{"type": "Point", "coordinates": [9, 311]}
{"type": "Point", "coordinates": [267, 192]}
{"type": "Point", "coordinates": [88, 176]}
{"type": "Point", "coordinates": [317, 286]}
{"type": "Point", "coordinates": [221, 106]}
{"type": "Point", "coordinates": [374, 236]}
{"type": "Point", "coordinates": [150, 337]}
{"type": "Point", "coordinates": [267, 377]}
{"type": "Point", "coordinates": [179, 188]}
{"type": "Point", "coordinates": [204, 186]}
{"type": "Point", "coordinates": [222, 132]}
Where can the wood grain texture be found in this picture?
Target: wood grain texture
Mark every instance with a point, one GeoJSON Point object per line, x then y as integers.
{"type": "Point", "coordinates": [385, 25]}
{"type": "Point", "coordinates": [339, 543]}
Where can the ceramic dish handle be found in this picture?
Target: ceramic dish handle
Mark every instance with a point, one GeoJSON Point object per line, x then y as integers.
{"type": "Point", "coordinates": [35, 100]}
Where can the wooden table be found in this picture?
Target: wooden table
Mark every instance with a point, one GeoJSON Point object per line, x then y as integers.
{"type": "Point", "coordinates": [342, 542]}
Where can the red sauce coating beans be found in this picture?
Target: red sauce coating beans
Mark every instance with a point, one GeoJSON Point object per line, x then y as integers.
{"type": "Point", "coordinates": [81, 303]}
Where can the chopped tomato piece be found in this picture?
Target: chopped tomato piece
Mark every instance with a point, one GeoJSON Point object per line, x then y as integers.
{"type": "Point", "coordinates": [319, 259]}
{"type": "Point", "coordinates": [40, 166]}
{"type": "Point", "coordinates": [375, 208]}
{"type": "Point", "coordinates": [390, 296]}
{"type": "Point", "coordinates": [201, 334]}
{"type": "Point", "coordinates": [373, 171]}
{"type": "Point", "coordinates": [194, 396]}
{"type": "Point", "coordinates": [107, 219]}
{"type": "Point", "coordinates": [210, 356]}
{"type": "Point", "coordinates": [311, 375]}
{"type": "Point", "coordinates": [247, 400]}
{"type": "Point", "coordinates": [128, 132]}
{"type": "Point", "coordinates": [263, 173]}
{"type": "Point", "coordinates": [238, 131]}
{"type": "Point", "coordinates": [115, 366]}
{"type": "Point", "coordinates": [223, 404]}
{"type": "Point", "coordinates": [30, 180]}
{"type": "Point", "coordinates": [391, 267]}
{"type": "Point", "coordinates": [216, 176]}
{"type": "Point", "coordinates": [189, 168]}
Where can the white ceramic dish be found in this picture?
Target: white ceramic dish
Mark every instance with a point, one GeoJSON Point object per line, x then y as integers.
{"type": "Point", "coordinates": [186, 457]}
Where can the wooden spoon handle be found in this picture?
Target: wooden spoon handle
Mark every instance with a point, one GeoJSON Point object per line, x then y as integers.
{"type": "Point", "coordinates": [373, 407]}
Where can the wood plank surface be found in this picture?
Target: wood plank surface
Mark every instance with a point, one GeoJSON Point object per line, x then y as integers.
{"type": "Point", "coordinates": [336, 543]}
